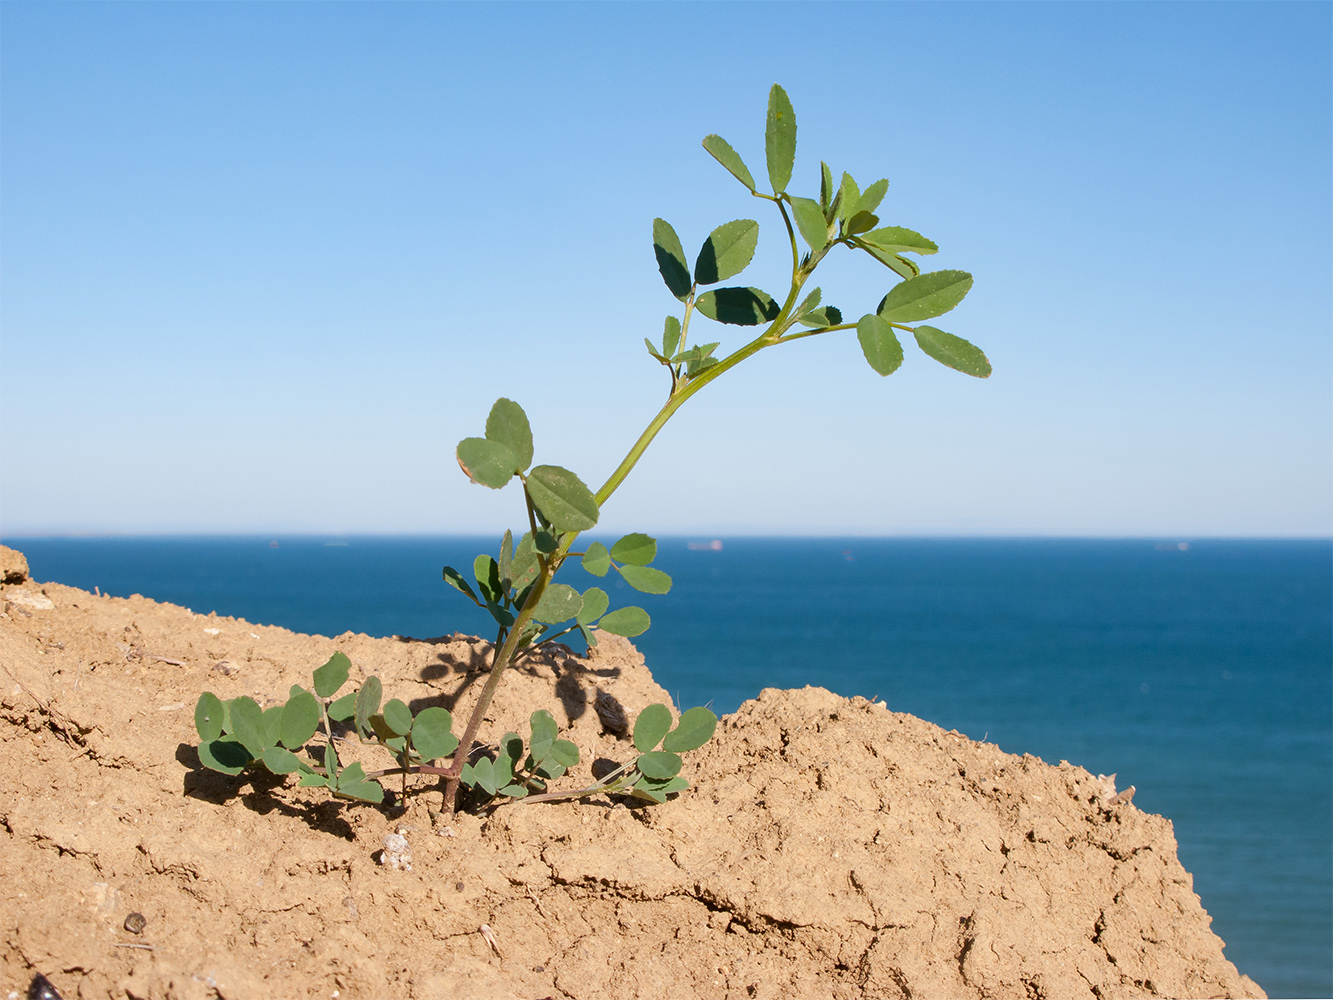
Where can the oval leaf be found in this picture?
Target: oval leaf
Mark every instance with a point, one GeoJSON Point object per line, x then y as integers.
{"type": "Point", "coordinates": [597, 560]}
{"type": "Point", "coordinates": [208, 716]}
{"type": "Point", "coordinates": [879, 344]}
{"type": "Point", "coordinates": [544, 728]}
{"type": "Point", "coordinates": [896, 239]}
{"type": "Point", "coordinates": [653, 723]}
{"type": "Point", "coordinates": [300, 720]}
{"type": "Point", "coordinates": [628, 622]}
{"type": "Point", "coordinates": [455, 580]}
{"type": "Point", "coordinates": [810, 221]}
{"type": "Point", "coordinates": [489, 463]}
{"type": "Point", "coordinates": [226, 756]}
{"type": "Point", "coordinates": [344, 708]}
{"type": "Point", "coordinates": [562, 498]}
{"type": "Point", "coordinates": [721, 151]}
{"type": "Point", "coordinates": [738, 306]}
{"type": "Point", "coordinates": [659, 765]}
{"type": "Point", "coordinates": [645, 579]}
{"type": "Point", "coordinates": [670, 336]}
{"type": "Point", "coordinates": [559, 602]}
{"type": "Point", "coordinates": [923, 297]}
{"type": "Point", "coordinates": [636, 548]}
{"type": "Point", "coordinates": [671, 259]}
{"type": "Point", "coordinates": [432, 734]}
{"type": "Point", "coordinates": [271, 724]}
{"type": "Point", "coordinates": [398, 717]}
{"type": "Point", "coordinates": [333, 675]}
{"type": "Point", "coordinates": [507, 424]}
{"type": "Point", "coordinates": [871, 197]}
{"type": "Point", "coordinates": [367, 704]}
{"type": "Point", "coordinates": [280, 761]}
{"type": "Point", "coordinates": [594, 605]}
{"type": "Point", "coordinates": [696, 727]}
{"type": "Point", "coordinates": [780, 139]}
{"type": "Point", "coordinates": [247, 724]}
{"type": "Point", "coordinates": [955, 352]}
{"type": "Point", "coordinates": [727, 251]}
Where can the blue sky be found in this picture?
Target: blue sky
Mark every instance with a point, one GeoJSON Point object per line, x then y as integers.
{"type": "Point", "coordinates": [263, 265]}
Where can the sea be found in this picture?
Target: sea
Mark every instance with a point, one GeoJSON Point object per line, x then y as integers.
{"type": "Point", "coordinates": [1198, 670]}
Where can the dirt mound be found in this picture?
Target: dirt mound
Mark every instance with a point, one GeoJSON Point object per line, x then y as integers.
{"type": "Point", "coordinates": [829, 848]}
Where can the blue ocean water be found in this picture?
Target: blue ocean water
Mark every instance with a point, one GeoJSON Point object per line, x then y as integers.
{"type": "Point", "coordinates": [1201, 674]}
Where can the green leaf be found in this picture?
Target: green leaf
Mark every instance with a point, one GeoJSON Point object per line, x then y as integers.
{"type": "Point", "coordinates": [659, 764]}
{"type": "Point", "coordinates": [300, 720]}
{"type": "Point", "coordinates": [860, 222]}
{"type": "Point", "coordinates": [514, 791]}
{"type": "Point", "coordinates": [670, 336]}
{"type": "Point", "coordinates": [333, 675]}
{"type": "Point", "coordinates": [367, 704]}
{"type": "Point", "coordinates": [780, 139]}
{"type": "Point", "coordinates": [432, 733]}
{"type": "Point", "coordinates": [652, 349]}
{"type": "Point", "coordinates": [932, 294]}
{"type": "Point", "coordinates": [353, 784]}
{"type": "Point", "coordinates": [489, 463]}
{"type": "Point", "coordinates": [810, 302]}
{"type": "Point", "coordinates": [695, 728]}
{"type": "Point", "coordinates": [628, 622]}
{"type": "Point", "coordinates": [637, 548]}
{"type": "Point", "coordinates": [565, 753]}
{"type": "Point", "coordinates": [560, 602]}
{"type": "Point", "coordinates": [208, 716]}
{"type": "Point", "coordinates": [671, 259]}
{"type": "Point", "coordinates": [280, 761]}
{"type": "Point", "coordinates": [271, 723]}
{"type": "Point", "coordinates": [526, 567]}
{"type": "Point", "coordinates": [562, 498]}
{"type": "Point", "coordinates": [483, 775]}
{"type": "Point", "coordinates": [871, 197]}
{"type": "Point", "coordinates": [645, 579]}
{"type": "Point", "coordinates": [247, 724]}
{"type": "Point", "coordinates": [738, 306]}
{"type": "Point", "coordinates": [545, 542]}
{"type": "Point", "coordinates": [826, 193]}
{"type": "Point", "coordinates": [727, 251]}
{"type": "Point", "coordinates": [879, 344]}
{"type": "Point", "coordinates": [544, 728]}
{"type": "Point", "coordinates": [896, 239]}
{"type": "Point", "coordinates": [506, 564]}
{"type": "Point", "coordinates": [595, 603]}
{"type": "Point", "coordinates": [313, 781]}
{"type": "Point", "coordinates": [823, 316]}
{"type": "Point", "coordinates": [344, 708]}
{"type": "Point", "coordinates": [487, 572]}
{"type": "Point", "coordinates": [955, 352]}
{"type": "Point", "coordinates": [588, 636]}
{"type": "Point", "coordinates": [508, 425]}
{"type": "Point", "coordinates": [811, 222]}
{"type": "Point", "coordinates": [597, 560]}
{"type": "Point", "coordinates": [398, 717]}
{"type": "Point", "coordinates": [227, 756]}
{"type": "Point", "coordinates": [721, 151]}
{"type": "Point", "coordinates": [653, 723]}
{"type": "Point", "coordinates": [848, 197]}
{"type": "Point", "coordinates": [900, 265]}
{"type": "Point", "coordinates": [331, 764]}
{"type": "Point", "coordinates": [455, 580]}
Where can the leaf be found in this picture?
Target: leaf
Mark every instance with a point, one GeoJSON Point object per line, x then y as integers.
{"type": "Point", "coordinates": [455, 580]}
{"type": "Point", "coordinates": [487, 572]}
{"type": "Point", "coordinates": [738, 306]}
{"type": "Point", "coordinates": [271, 723]}
{"type": "Point", "coordinates": [670, 336]}
{"type": "Point", "coordinates": [483, 775]}
{"type": "Point", "coordinates": [826, 193]}
{"type": "Point", "coordinates": [721, 151]}
{"type": "Point", "coordinates": [671, 259]}
{"type": "Point", "coordinates": [300, 720]}
{"type": "Point", "coordinates": [544, 731]}
{"type": "Point", "coordinates": [932, 294]}
{"type": "Point", "coordinates": [955, 352]}
{"type": "Point", "coordinates": [398, 717]}
{"type": "Point", "coordinates": [313, 781]}
{"type": "Point", "coordinates": [727, 251]}
{"type": "Point", "coordinates": [811, 222]}
{"type": "Point", "coordinates": [562, 498]}
{"type": "Point", "coordinates": [780, 139]}
{"type": "Point", "coordinates": [559, 602]}
{"type": "Point", "coordinates": [227, 756]}
{"type": "Point", "coordinates": [333, 675]}
{"type": "Point", "coordinates": [508, 425]}
{"type": "Point", "coordinates": [848, 196]}
{"type": "Point", "coordinates": [566, 754]}
{"type": "Point", "coordinates": [695, 728]}
{"type": "Point", "coordinates": [208, 716]}
{"type": "Point", "coordinates": [344, 708]}
{"type": "Point", "coordinates": [331, 764]}
{"type": "Point", "coordinates": [588, 635]}
{"type": "Point", "coordinates": [653, 723]}
{"type": "Point", "coordinates": [506, 563]}
{"type": "Point", "coordinates": [636, 548]}
{"type": "Point", "coordinates": [545, 542]}
{"type": "Point", "coordinates": [353, 784]}
{"type": "Point", "coordinates": [432, 733]}
{"type": "Point", "coordinates": [899, 265]}
{"type": "Point", "coordinates": [659, 764]}
{"type": "Point", "coordinates": [595, 603]}
{"type": "Point", "coordinates": [824, 316]}
{"type": "Point", "coordinates": [489, 463]}
{"type": "Point", "coordinates": [247, 724]}
{"type": "Point", "coordinates": [280, 761]}
{"type": "Point", "coordinates": [525, 567]}
{"type": "Point", "coordinates": [628, 622]}
{"type": "Point", "coordinates": [653, 350]}
{"type": "Point", "coordinates": [811, 301]}
{"type": "Point", "coordinates": [597, 560]}
{"type": "Point", "coordinates": [367, 704]}
{"type": "Point", "coordinates": [879, 344]}
{"type": "Point", "coordinates": [872, 196]}
{"type": "Point", "coordinates": [645, 579]}
{"type": "Point", "coordinates": [860, 222]}
{"type": "Point", "coordinates": [899, 240]}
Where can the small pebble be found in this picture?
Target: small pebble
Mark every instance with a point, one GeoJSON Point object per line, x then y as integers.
{"type": "Point", "coordinates": [459, 886]}
{"type": "Point", "coordinates": [135, 923]}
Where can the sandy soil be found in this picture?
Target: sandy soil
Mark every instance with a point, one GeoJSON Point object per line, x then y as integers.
{"type": "Point", "coordinates": [830, 848]}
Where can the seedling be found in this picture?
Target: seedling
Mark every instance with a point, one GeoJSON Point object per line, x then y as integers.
{"type": "Point", "coordinates": [517, 587]}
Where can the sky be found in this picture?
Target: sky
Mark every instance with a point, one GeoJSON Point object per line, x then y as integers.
{"type": "Point", "coordinates": [263, 265]}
